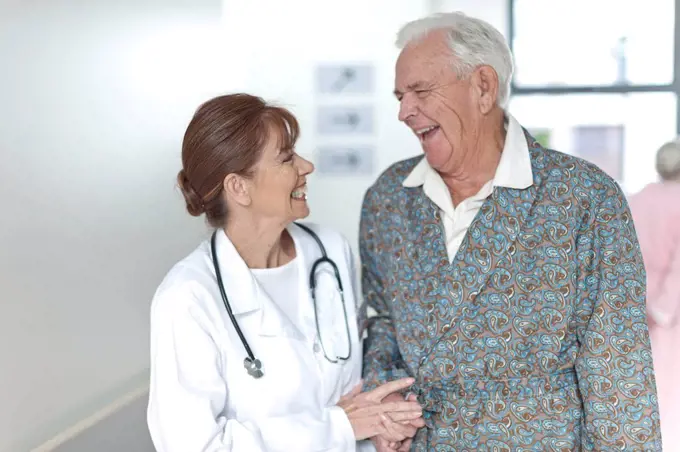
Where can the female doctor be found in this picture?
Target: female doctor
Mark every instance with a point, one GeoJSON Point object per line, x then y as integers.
{"type": "Point", "coordinates": [255, 346]}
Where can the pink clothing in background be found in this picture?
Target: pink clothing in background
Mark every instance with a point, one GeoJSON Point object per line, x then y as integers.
{"type": "Point", "coordinates": [656, 212]}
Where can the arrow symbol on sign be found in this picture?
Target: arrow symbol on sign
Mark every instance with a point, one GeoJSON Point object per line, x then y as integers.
{"type": "Point", "coordinates": [352, 159]}
{"type": "Point", "coordinates": [351, 119]}
{"type": "Point", "coordinates": [346, 76]}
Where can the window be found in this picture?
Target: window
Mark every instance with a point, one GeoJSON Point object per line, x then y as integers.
{"type": "Point", "coordinates": [586, 42]}
{"type": "Point", "coordinates": [596, 80]}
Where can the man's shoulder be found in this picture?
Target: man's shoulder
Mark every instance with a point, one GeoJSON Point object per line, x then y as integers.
{"type": "Point", "coordinates": [391, 179]}
{"type": "Point", "coordinates": [574, 172]}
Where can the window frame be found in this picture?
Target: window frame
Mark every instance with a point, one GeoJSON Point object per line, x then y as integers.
{"type": "Point", "coordinates": [673, 87]}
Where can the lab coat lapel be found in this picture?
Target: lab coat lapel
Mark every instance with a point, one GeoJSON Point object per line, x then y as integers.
{"type": "Point", "coordinates": [247, 297]}
{"type": "Point", "coordinates": [239, 284]}
{"type": "Point", "coordinates": [329, 312]}
{"type": "Point", "coordinates": [304, 248]}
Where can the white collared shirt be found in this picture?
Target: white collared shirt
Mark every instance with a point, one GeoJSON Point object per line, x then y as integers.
{"type": "Point", "coordinates": [513, 171]}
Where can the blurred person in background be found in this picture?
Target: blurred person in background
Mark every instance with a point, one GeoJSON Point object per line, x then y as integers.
{"type": "Point", "coordinates": [656, 210]}
{"type": "Point", "coordinates": [267, 288]}
{"type": "Point", "coordinates": [507, 278]}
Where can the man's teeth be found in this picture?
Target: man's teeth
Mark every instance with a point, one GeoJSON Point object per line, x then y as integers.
{"type": "Point", "coordinates": [300, 193]}
{"type": "Point", "coordinates": [421, 132]}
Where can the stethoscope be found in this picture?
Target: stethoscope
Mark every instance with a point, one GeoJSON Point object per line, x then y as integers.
{"type": "Point", "coordinates": [253, 365]}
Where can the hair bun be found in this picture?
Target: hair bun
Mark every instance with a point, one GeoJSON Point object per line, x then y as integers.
{"type": "Point", "coordinates": [194, 203]}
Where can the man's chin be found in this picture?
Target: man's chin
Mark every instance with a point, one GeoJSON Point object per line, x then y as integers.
{"type": "Point", "coordinates": [435, 157]}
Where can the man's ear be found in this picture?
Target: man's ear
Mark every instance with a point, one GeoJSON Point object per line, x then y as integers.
{"type": "Point", "coordinates": [485, 82]}
{"type": "Point", "coordinates": [237, 188]}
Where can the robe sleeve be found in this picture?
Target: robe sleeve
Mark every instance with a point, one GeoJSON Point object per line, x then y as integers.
{"type": "Point", "coordinates": [614, 365]}
{"type": "Point", "coordinates": [382, 358]}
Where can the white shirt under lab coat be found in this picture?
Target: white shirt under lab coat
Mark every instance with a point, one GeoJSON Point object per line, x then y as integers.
{"type": "Point", "coordinates": [201, 397]}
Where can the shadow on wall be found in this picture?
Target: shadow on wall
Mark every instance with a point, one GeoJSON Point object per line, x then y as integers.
{"type": "Point", "coordinates": [124, 430]}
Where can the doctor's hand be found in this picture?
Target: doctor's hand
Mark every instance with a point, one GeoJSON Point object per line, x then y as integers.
{"type": "Point", "coordinates": [370, 414]}
{"type": "Point", "coordinates": [392, 440]}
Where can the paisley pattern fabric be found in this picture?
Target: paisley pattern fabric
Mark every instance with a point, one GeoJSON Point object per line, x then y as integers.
{"type": "Point", "coordinates": [535, 337]}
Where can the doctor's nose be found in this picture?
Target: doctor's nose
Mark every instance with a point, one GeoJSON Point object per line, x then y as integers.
{"type": "Point", "coordinates": [305, 167]}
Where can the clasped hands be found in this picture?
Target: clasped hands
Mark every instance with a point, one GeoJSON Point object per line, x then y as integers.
{"type": "Point", "coordinates": [383, 415]}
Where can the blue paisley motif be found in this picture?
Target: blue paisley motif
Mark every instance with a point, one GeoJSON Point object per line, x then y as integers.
{"type": "Point", "coordinates": [533, 337]}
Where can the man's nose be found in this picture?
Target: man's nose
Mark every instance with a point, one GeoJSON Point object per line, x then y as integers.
{"type": "Point", "coordinates": [407, 107]}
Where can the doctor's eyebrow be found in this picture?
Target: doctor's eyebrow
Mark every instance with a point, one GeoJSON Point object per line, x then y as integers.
{"type": "Point", "coordinates": [285, 154]}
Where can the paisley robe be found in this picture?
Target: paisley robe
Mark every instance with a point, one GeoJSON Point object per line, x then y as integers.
{"type": "Point", "coordinates": [534, 338]}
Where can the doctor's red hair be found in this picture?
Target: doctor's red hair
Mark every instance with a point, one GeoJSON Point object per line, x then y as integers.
{"type": "Point", "coordinates": [226, 136]}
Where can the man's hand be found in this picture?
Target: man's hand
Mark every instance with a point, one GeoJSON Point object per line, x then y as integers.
{"type": "Point", "coordinates": [370, 414]}
{"type": "Point", "coordinates": [402, 429]}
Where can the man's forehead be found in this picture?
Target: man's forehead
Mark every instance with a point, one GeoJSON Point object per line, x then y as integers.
{"type": "Point", "coordinates": [415, 73]}
{"type": "Point", "coordinates": [426, 54]}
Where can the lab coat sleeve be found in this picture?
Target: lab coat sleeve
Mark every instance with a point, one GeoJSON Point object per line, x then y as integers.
{"type": "Point", "coordinates": [382, 358]}
{"type": "Point", "coordinates": [664, 310]}
{"type": "Point", "coordinates": [188, 393]}
{"type": "Point", "coordinates": [614, 365]}
{"type": "Point", "coordinates": [357, 356]}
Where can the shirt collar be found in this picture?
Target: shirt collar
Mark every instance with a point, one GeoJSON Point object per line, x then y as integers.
{"type": "Point", "coordinates": [514, 169]}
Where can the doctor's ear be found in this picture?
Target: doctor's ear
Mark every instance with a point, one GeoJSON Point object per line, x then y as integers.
{"type": "Point", "coordinates": [237, 188]}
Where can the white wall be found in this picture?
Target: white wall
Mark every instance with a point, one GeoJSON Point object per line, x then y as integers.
{"type": "Point", "coordinates": [95, 98]}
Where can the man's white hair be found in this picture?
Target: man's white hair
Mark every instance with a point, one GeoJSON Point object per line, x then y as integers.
{"type": "Point", "coordinates": [473, 43]}
{"type": "Point", "coordinates": [668, 161]}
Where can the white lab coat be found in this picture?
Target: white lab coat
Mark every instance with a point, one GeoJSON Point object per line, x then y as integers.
{"type": "Point", "coordinates": [201, 397]}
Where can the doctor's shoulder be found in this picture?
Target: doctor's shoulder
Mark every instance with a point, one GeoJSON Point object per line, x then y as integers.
{"type": "Point", "coordinates": [186, 285]}
{"type": "Point", "coordinates": [332, 239]}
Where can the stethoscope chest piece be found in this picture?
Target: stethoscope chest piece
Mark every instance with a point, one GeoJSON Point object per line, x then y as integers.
{"type": "Point", "coordinates": [253, 367]}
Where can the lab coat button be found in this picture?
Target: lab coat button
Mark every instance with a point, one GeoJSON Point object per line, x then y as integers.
{"type": "Point", "coordinates": [317, 347]}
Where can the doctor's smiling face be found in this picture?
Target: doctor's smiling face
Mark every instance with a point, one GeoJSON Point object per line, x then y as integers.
{"type": "Point", "coordinates": [278, 186]}
{"type": "Point", "coordinates": [239, 164]}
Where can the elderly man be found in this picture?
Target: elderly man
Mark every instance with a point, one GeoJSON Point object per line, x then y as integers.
{"type": "Point", "coordinates": [507, 278]}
